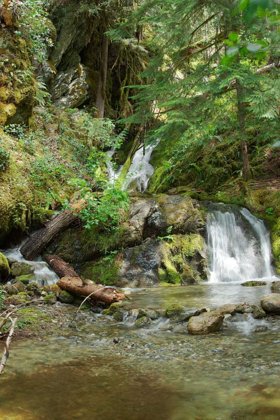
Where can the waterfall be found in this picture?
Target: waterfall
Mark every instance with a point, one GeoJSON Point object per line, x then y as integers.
{"type": "Point", "coordinates": [239, 245]}
{"type": "Point", "coordinates": [42, 273]}
{"type": "Point", "coordinates": [112, 173]}
{"type": "Point", "coordinates": [140, 170]}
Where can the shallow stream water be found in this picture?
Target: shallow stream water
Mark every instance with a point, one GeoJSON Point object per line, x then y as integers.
{"type": "Point", "coordinates": [100, 369]}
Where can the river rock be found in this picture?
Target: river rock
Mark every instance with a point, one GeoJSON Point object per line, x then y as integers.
{"type": "Point", "coordinates": [13, 289]}
{"type": "Point", "coordinates": [206, 323]}
{"type": "Point", "coordinates": [254, 283]}
{"type": "Point", "coordinates": [142, 322]}
{"type": "Point", "coordinates": [4, 268]}
{"type": "Point", "coordinates": [21, 269]}
{"type": "Point", "coordinates": [275, 287]}
{"type": "Point", "coordinates": [65, 297]}
{"type": "Point", "coordinates": [244, 308]}
{"type": "Point", "coordinates": [271, 303]}
{"type": "Point", "coordinates": [228, 308]}
{"type": "Point", "coordinates": [25, 279]}
{"type": "Point", "coordinates": [258, 312]}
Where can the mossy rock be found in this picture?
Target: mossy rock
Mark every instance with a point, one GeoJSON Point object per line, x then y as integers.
{"type": "Point", "coordinates": [114, 307]}
{"type": "Point", "coordinates": [15, 288]}
{"type": "Point", "coordinates": [65, 297]}
{"type": "Point", "coordinates": [4, 268]}
{"type": "Point", "coordinates": [18, 299]}
{"type": "Point", "coordinates": [142, 322]}
{"type": "Point", "coordinates": [254, 283]}
{"type": "Point", "coordinates": [21, 269]}
{"type": "Point", "coordinates": [25, 279]}
{"type": "Point", "coordinates": [174, 310]}
{"type": "Point", "coordinates": [50, 299]}
{"type": "Point", "coordinates": [32, 319]}
{"type": "Point", "coordinates": [118, 315]}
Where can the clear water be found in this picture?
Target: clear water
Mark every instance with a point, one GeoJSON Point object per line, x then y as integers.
{"type": "Point", "coordinates": [150, 373]}
{"type": "Point", "coordinates": [43, 273]}
{"type": "Point", "coordinates": [239, 246]}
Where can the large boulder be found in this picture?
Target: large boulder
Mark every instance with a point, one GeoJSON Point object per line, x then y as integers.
{"type": "Point", "coordinates": [271, 303]}
{"type": "Point", "coordinates": [4, 268]}
{"type": "Point", "coordinates": [205, 323]}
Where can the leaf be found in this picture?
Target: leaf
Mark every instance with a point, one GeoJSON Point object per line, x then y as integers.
{"type": "Point", "coordinates": [233, 36]}
{"type": "Point", "coordinates": [232, 50]}
{"type": "Point", "coordinates": [253, 47]}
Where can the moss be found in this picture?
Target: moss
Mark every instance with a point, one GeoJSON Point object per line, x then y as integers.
{"type": "Point", "coordinates": [174, 310]}
{"type": "Point", "coordinates": [102, 272]}
{"type": "Point", "coordinates": [50, 299]}
{"type": "Point", "coordinates": [114, 307]}
{"type": "Point", "coordinates": [65, 297]}
{"type": "Point", "coordinates": [32, 319]}
{"type": "Point", "coordinates": [275, 239]}
{"type": "Point", "coordinates": [26, 278]}
{"type": "Point", "coordinates": [142, 322]}
{"type": "Point", "coordinates": [4, 268]}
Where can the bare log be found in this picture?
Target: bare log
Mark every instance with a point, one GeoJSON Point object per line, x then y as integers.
{"type": "Point", "coordinates": [40, 239]}
{"type": "Point", "coordinates": [77, 287]}
{"type": "Point", "coordinates": [7, 346]}
{"type": "Point", "coordinates": [60, 267]}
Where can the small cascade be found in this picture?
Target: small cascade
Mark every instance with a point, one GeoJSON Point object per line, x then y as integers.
{"type": "Point", "coordinates": [239, 245]}
{"type": "Point", "coordinates": [44, 276]}
{"type": "Point", "coordinates": [141, 170]}
{"type": "Point", "coordinates": [112, 173]}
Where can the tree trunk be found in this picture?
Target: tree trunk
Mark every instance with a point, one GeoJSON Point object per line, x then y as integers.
{"type": "Point", "coordinates": [241, 110]}
{"type": "Point", "coordinates": [102, 80]}
{"type": "Point", "coordinates": [60, 267]}
{"type": "Point", "coordinates": [41, 239]}
{"type": "Point", "coordinates": [76, 286]}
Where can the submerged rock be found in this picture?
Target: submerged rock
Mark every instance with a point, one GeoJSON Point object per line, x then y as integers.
{"type": "Point", "coordinates": [271, 303]}
{"type": "Point", "coordinates": [254, 283]}
{"type": "Point", "coordinates": [205, 323]}
{"type": "Point", "coordinates": [4, 268]}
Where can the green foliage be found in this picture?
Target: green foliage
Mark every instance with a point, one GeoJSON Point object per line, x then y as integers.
{"type": "Point", "coordinates": [4, 159]}
{"type": "Point", "coordinates": [105, 211]}
{"type": "Point", "coordinates": [2, 296]}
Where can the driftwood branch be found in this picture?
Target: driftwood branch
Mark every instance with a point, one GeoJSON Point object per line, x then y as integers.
{"type": "Point", "coordinates": [7, 345]}
{"type": "Point", "coordinates": [78, 287]}
{"type": "Point", "coordinates": [60, 267]}
{"type": "Point", "coordinates": [79, 308]}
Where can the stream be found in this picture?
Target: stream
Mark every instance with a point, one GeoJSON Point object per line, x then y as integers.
{"type": "Point", "coordinates": [98, 368]}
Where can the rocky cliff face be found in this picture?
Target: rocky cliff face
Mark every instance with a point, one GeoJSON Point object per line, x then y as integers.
{"type": "Point", "coordinates": [160, 242]}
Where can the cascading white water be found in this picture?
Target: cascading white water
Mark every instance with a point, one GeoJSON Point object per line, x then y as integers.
{"type": "Point", "coordinates": [239, 246]}
{"type": "Point", "coordinates": [112, 173]}
{"type": "Point", "coordinates": [141, 170]}
{"type": "Point", "coordinates": [42, 273]}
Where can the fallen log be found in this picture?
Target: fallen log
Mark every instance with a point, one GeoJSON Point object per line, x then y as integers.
{"type": "Point", "coordinates": [60, 267]}
{"type": "Point", "coordinates": [35, 245]}
{"type": "Point", "coordinates": [77, 287]}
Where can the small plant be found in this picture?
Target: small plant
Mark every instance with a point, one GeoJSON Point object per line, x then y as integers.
{"type": "Point", "coordinates": [269, 211]}
{"type": "Point", "coordinates": [4, 159]}
{"type": "Point", "coordinates": [2, 297]}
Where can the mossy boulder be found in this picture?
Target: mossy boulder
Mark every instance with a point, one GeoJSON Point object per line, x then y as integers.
{"type": "Point", "coordinates": [258, 312]}
{"type": "Point", "coordinates": [4, 268]}
{"type": "Point", "coordinates": [21, 269]}
{"type": "Point", "coordinates": [18, 299]}
{"type": "Point", "coordinates": [65, 297]}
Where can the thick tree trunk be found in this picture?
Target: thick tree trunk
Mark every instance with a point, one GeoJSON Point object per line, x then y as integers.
{"type": "Point", "coordinates": [77, 287]}
{"type": "Point", "coordinates": [102, 80]}
{"type": "Point", "coordinates": [41, 239]}
{"type": "Point", "coordinates": [60, 267]}
{"type": "Point", "coordinates": [241, 109]}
